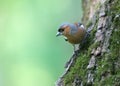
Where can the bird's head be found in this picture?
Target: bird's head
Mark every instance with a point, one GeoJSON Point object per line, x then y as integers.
{"type": "Point", "coordinates": [64, 29]}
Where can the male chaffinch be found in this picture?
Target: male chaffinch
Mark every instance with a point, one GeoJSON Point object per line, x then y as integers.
{"type": "Point", "coordinates": [74, 33]}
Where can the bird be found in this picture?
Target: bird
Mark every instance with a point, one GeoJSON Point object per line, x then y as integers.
{"type": "Point", "coordinates": [74, 33]}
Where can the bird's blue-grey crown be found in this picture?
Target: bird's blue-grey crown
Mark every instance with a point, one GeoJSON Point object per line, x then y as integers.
{"type": "Point", "coordinates": [73, 27]}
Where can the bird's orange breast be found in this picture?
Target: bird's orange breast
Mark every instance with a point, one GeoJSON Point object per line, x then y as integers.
{"type": "Point", "coordinates": [77, 37]}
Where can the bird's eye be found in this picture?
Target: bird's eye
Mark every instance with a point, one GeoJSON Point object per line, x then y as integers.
{"type": "Point", "coordinates": [61, 30]}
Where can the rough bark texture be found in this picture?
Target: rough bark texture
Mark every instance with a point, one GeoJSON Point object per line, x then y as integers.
{"type": "Point", "coordinates": [99, 61]}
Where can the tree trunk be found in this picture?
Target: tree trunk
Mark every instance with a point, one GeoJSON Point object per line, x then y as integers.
{"type": "Point", "coordinates": [99, 61]}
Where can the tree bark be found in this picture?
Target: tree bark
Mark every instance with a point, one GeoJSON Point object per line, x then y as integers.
{"type": "Point", "coordinates": [99, 61]}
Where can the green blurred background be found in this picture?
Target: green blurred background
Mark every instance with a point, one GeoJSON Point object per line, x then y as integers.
{"type": "Point", "coordinates": [30, 53]}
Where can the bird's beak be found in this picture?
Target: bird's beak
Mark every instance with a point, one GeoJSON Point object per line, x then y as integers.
{"type": "Point", "coordinates": [58, 34]}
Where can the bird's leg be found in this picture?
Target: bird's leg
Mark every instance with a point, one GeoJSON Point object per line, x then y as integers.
{"type": "Point", "coordinates": [76, 49]}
